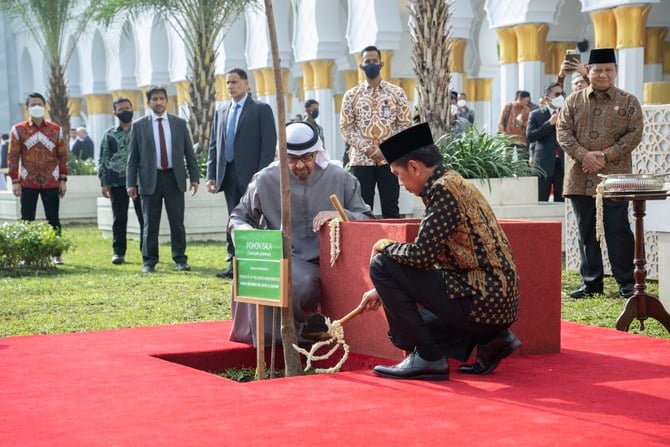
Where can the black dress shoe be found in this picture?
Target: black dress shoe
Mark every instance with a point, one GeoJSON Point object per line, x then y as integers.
{"type": "Point", "coordinates": [627, 290]}
{"type": "Point", "coordinates": [490, 354]}
{"type": "Point", "coordinates": [414, 367]}
{"type": "Point", "coordinates": [183, 267]}
{"type": "Point", "coordinates": [586, 291]}
{"type": "Point", "coordinates": [117, 259]}
{"type": "Point", "coordinates": [229, 258]}
{"type": "Point", "coordinates": [148, 268]}
{"type": "Point", "coordinates": [227, 273]}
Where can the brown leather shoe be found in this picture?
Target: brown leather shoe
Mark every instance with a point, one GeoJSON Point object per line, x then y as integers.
{"type": "Point", "coordinates": [491, 354]}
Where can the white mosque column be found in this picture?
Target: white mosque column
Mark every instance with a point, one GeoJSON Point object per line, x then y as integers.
{"type": "Point", "coordinates": [323, 94]}
{"type": "Point", "coordinates": [479, 97]}
{"type": "Point", "coordinates": [531, 39]}
{"type": "Point", "coordinates": [653, 54]}
{"type": "Point", "coordinates": [509, 70]}
{"type": "Point", "coordinates": [74, 105]}
{"type": "Point", "coordinates": [631, 23]}
{"type": "Point", "coordinates": [457, 64]}
{"type": "Point", "coordinates": [100, 118]}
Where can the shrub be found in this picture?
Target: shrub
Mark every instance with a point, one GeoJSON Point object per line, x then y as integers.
{"type": "Point", "coordinates": [479, 154]}
{"type": "Point", "coordinates": [29, 244]}
{"type": "Point", "coordinates": [77, 166]}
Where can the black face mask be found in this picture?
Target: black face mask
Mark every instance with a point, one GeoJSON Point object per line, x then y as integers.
{"type": "Point", "coordinates": [125, 117]}
{"type": "Point", "coordinates": [314, 113]}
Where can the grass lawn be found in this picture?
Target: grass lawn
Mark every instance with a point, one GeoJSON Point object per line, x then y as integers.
{"type": "Point", "coordinates": [89, 293]}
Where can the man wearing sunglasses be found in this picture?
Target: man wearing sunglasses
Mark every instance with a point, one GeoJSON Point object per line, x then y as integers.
{"type": "Point", "coordinates": [312, 179]}
{"type": "Point", "coordinates": [546, 153]}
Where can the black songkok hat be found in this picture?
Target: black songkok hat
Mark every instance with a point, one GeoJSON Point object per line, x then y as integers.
{"type": "Point", "coordinates": [406, 141]}
{"type": "Point", "coordinates": [602, 56]}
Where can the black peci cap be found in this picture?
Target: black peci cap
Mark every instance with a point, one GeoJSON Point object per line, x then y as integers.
{"type": "Point", "coordinates": [602, 56]}
{"type": "Point", "coordinates": [406, 141]}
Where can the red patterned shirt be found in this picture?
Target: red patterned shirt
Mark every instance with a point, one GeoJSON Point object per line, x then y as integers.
{"type": "Point", "coordinates": [37, 156]}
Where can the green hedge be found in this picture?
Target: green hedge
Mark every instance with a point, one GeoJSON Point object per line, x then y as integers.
{"type": "Point", "coordinates": [29, 244]}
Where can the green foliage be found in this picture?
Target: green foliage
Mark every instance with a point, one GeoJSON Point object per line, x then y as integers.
{"type": "Point", "coordinates": [77, 166]}
{"type": "Point", "coordinates": [479, 154]}
{"type": "Point", "coordinates": [29, 244]}
{"type": "Point", "coordinates": [201, 159]}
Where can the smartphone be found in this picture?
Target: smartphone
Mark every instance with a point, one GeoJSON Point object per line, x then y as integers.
{"type": "Point", "coordinates": [573, 55]}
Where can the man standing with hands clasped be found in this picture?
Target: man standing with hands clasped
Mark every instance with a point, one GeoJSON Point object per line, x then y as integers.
{"type": "Point", "coordinates": [159, 154]}
{"type": "Point", "coordinates": [599, 127]}
{"type": "Point", "coordinates": [372, 112]}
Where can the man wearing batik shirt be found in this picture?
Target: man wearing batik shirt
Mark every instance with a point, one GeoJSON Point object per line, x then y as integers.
{"type": "Point", "coordinates": [598, 128]}
{"type": "Point", "coordinates": [456, 285]}
{"type": "Point", "coordinates": [372, 112]}
{"type": "Point", "coordinates": [37, 162]}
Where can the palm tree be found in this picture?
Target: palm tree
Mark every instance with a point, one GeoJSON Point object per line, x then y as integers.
{"type": "Point", "coordinates": [201, 24]}
{"type": "Point", "coordinates": [430, 55]}
{"type": "Point", "coordinates": [50, 22]}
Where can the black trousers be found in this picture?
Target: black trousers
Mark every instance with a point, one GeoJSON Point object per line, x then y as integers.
{"type": "Point", "coordinates": [120, 200]}
{"type": "Point", "coordinates": [152, 207]}
{"type": "Point", "coordinates": [50, 200]}
{"type": "Point", "coordinates": [618, 235]}
{"type": "Point", "coordinates": [439, 319]}
{"type": "Point", "coordinates": [233, 195]}
{"type": "Point", "coordinates": [544, 184]}
{"type": "Point", "coordinates": [386, 182]}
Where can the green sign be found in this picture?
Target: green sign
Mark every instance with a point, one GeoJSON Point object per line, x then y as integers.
{"type": "Point", "coordinates": [259, 267]}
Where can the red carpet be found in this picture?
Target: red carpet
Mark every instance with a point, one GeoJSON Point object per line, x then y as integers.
{"type": "Point", "coordinates": [111, 389]}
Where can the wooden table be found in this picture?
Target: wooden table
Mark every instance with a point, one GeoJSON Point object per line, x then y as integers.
{"type": "Point", "coordinates": [640, 305]}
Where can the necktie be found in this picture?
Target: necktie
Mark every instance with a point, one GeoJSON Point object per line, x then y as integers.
{"type": "Point", "coordinates": [163, 145]}
{"type": "Point", "coordinates": [230, 133]}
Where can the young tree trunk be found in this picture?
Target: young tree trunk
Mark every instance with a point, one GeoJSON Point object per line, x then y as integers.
{"type": "Point", "coordinates": [202, 104]}
{"type": "Point", "coordinates": [288, 335]}
{"type": "Point", "coordinates": [430, 55]}
{"type": "Point", "coordinates": [58, 102]}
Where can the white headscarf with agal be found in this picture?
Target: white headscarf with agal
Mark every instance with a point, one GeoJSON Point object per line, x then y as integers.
{"type": "Point", "coordinates": [302, 138]}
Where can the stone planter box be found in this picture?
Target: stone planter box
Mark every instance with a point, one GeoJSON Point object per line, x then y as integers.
{"type": "Point", "coordinates": [537, 251]}
{"type": "Point", "coordinates": [205, 218]}
{"type": "Point", "coordinates": [79, 203]}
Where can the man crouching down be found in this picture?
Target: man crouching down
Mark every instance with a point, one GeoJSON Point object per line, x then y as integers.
{"type": "Point", "coordinates": [312, 180]}
{"type": "Point", "coordinates": [457, 284]}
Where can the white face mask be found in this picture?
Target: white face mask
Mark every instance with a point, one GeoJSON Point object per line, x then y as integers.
{"type": "Point", "coordinates": [461, 103]}
{"type": "Point", "coordinates": [36, 111]}
{"type": "Point", "coordinates": [558, 102]}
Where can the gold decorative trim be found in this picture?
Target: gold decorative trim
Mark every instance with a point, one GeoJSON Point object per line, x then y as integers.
{"type": "Point", "coordinates": [99, 104]}
{"type": "Point", "coordinates": [507, 45]}
{"type": "Point", "coordinates": [657, 92]}
{"type": "Point", "coordinates": [323, 73]}
{"type": "Point", "coordinates": [337, 100]}
{"type": "Point", "coordinates": [74, 106]}
{"type": "Point", "coordinates": [666, 58]}
{"type": "Point", "coordinates": [457, 55]}
{"type": "Point", "coordinates": [408, 84]}
{"type": "Point", "coordinates": [350, 78]}
{"type": "Point", "coordinates": [136, 97]}
{"type": "Point", "coordinates": [653, 48]}
{"type": "Point", "coordinates": [307, 76]}
{"type": "Point", "coordinates": [631, 23]}
{"type": "Point", "coordinates": [555, 55]}
{"type": "Point", "coordinates": [604, 28]}
{"type": "Point", "coordinates": [482, 89]}
{"type": "Point", "coordinates": [531, 38]}
{"type": "Point", "coordinates": [183, 94]}
{"type": "Point", "coordinates": [260, 82]}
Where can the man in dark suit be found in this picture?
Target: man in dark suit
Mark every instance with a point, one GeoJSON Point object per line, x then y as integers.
{"type": "Point", "coordinates": [83, 147]}
{"type": "Point", "coordinates": [159, 155]}
{"type": "Point", "coordinates": [243, 141]}
{"type": "Point", "coordinates": [547, 154]}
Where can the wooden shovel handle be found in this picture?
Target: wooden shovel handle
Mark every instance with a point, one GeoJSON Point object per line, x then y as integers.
{"type": "Point", "coordinates": [338, 207]}
{"type": "Point", "coordinates": [359, 310]}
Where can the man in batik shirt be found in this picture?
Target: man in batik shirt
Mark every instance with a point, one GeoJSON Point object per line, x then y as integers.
{"type": "Point", "coordinates": [37, 162]}
{"type": "Point", "coordinates": [598, 128]}
{"type": "Point", "coordinates": [372, 112]}
{"type": "Point", "coordinates": [456, 285]}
